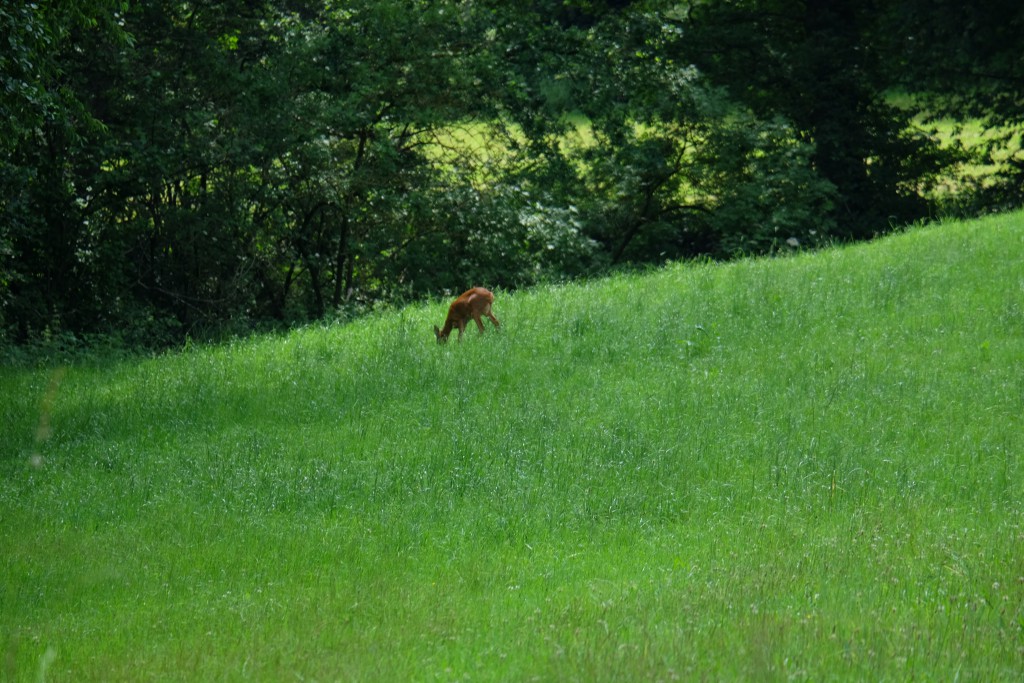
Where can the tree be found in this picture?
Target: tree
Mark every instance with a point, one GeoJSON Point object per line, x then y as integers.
{"type": "Point", "coordinates": [177, 168]}
{"type": "Point", "coordinates": [33, 34]}
{"type": "Point", "coordinates": [814, 63]}
{"type": "Point", "coordinates": [668, 165]}
{"type": "Point", "coordinates": [963, 61]}
{"type": "Point", "coordinates": [273, 159]}
{"type": "Point", "coordinates": [43, 124]}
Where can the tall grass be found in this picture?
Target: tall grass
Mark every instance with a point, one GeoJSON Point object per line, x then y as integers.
{"type": "Point", "coordinates": [805, 468]}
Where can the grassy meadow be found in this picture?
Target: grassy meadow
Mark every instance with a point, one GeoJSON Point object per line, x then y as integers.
{"type": "Point", "coordinates": [805, 468]}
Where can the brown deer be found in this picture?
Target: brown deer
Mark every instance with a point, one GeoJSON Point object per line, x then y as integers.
{"type": "Point", "coordinates": [473, 303]}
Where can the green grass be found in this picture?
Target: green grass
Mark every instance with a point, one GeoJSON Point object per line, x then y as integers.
{"type": "Point", "coordinates": [805, 468]}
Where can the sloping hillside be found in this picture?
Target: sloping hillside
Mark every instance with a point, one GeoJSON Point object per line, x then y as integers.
{"type": "Point", "coordinates": [806, 467]}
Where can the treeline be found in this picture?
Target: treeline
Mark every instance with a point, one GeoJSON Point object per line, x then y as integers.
{"type": "Point", "coordinates": [194, 168]}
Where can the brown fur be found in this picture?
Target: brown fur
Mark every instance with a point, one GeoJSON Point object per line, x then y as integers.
{"type": "Point", "coordinates": [472, 304]}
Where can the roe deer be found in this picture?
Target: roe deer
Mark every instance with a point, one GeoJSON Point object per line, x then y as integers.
{"type": "Point", "coordinates": [473, 303]}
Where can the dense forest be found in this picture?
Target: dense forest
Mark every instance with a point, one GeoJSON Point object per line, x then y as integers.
{"type": "Point", "coordinates": [194, 169]}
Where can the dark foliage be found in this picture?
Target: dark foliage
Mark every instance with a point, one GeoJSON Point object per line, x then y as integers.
{"type": "Point", "coordinates": [175, 169]}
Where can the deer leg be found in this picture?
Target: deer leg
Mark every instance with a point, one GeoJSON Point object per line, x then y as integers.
{"type": "Point", "coordinates": [462, 328]}
{"type": "Point", "coordinates": [493, 319]}
{"type": "Point", "coordinates": [479, 323]}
